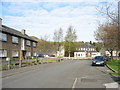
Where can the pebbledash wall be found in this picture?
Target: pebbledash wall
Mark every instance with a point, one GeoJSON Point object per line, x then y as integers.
{"type": "Point", "coordinates": [16, 45]}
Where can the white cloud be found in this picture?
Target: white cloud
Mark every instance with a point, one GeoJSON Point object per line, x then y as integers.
{"type": "Point", "coordinates": [42, 21]}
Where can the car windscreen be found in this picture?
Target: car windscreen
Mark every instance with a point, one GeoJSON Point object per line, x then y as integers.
{"type": "Point", "coordinates": [99, 58]}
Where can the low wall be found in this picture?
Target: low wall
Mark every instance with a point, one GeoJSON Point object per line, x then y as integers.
{"type": "Point", "coordinates": [78, 58]}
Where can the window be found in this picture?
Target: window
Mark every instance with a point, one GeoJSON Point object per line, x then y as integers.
{"type": "Point", "coordinates": [3, 53]}
{"type": "Point", "coordinates": [15, 53]}
{"type": "Point", "coordinates": [34, 54]}
{"type": "Point", "coordinates": [34, 44]}
{"type": "Point", "coordinates": [84, 48]}
{"type": "Point", "coordinates": [28, 42]}
{"type": "Point", "coordinates": [3, 37]}
{"type": "Point", "coordinates": [28, 53]}
{"type": "Point", "coordinates": [14, 39]}
{"type": "Point", "coordinates": [91, 49]}
{"type": "Point", "coordinates": [78, 54]}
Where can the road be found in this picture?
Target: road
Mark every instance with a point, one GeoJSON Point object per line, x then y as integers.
{"type": "Point", "coordinates": [65, 74]}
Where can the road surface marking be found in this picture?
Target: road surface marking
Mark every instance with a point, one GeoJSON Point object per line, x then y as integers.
{"type": "Point", "coordinates": [111, 85]}
{"type": "Point", "coordinates": [74, 83]}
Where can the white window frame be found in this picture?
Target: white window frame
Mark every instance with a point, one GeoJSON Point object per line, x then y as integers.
{"type": "Point", "coordinates": [28, 53]}
{"type": "Point", "coordinates": [34, 54]}
{"type": "Point", "coordinates": [15, 53]}
{"type": "Point", "coordinates": [3, 53]}
{"type": "Point", "coordinates": [28, 43]}
{"type": "Point", "coordinates": [34, 44]}
{"type": "Point", "coordinates": [14, 39]}
{"type": "Point", "coordinates": [3, 36]}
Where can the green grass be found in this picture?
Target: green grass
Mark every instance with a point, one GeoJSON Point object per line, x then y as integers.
{"type": "Point", "coordinates": [115, 65]}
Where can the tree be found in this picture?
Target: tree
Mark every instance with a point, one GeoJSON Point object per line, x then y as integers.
{"type": "Point", "coordinates": [107, 32]}
{"type": "Point", "coordinates": [90, 42]}
{"type": "Point", "coordinates": [45, 45]}
{"type": "Point", "coordinates": [58, 38]}
{"type": "Point", "coordinates": [70, 38]}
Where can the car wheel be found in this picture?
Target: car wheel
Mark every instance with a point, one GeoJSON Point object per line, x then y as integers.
{"type": "Point", "coordinates": [103, 65]}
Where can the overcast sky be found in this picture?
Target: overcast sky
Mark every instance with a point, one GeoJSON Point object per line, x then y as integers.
{"type": "Point", "coordinates": [43, 17]}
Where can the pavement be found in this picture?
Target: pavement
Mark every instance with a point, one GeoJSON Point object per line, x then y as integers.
{"type": "Point", "coordinates": [65, 74]}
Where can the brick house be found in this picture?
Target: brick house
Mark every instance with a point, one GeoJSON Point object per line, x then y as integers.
{"type": "Point", "coordinates": [16, 44]}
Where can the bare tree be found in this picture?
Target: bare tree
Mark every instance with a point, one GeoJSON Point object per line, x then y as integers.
{"type": "Point", "coordinates": [107, 32]}
{"type": "Point", "coordinates": [70, 38]}
{"type": "Point", "coordinates": [45, 45]}
{"type": "Point", "coordinates": [58, 38]}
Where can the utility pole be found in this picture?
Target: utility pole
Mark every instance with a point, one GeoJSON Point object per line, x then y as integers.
{"type": "Point", "coordinates": [119, 26]}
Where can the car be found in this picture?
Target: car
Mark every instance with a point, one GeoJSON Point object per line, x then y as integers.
{"type": "Point", "coordinates": [99, 60]}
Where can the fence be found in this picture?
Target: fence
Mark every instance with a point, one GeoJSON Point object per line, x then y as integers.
{"type": "Point", "coordinates": [28, 62]}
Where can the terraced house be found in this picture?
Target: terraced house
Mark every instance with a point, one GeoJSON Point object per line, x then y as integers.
{"type": "Point", "coordinates": [16, 44]}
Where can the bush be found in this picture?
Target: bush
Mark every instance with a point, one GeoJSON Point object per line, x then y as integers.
{"type": "Point", "coordinates": [35, 63]}
{"type": "Point", "coordinates": [34, 57]}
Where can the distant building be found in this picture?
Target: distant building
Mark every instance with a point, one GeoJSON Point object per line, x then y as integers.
{"type": "Point", "coordinates": [114, 53]}
{"type": "Point", "coordinates": [61, 51]}
{"type": "Point", "coordinates": [16, 44]}
{"type": "Point", "coordinates": [86, 50]}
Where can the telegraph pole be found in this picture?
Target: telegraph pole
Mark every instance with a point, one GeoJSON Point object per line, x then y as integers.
{"type": "Point", "coordinates": [119, 26]}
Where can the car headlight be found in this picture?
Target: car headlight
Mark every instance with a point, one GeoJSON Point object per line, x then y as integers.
{"type": "Point", "coordinates": [94, 61]}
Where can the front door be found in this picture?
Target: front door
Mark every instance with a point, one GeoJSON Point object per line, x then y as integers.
{"type": "Point", "coordinates": [24, 54]}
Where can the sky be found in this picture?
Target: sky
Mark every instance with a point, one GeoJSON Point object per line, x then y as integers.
{"type": "Point", "coordinates": [43, 17]}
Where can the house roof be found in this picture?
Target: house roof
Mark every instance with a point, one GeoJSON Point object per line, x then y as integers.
{"type": "Point", "coordinates": [87, 46]}
{"type": "Point", "coordinates": [12, 31]}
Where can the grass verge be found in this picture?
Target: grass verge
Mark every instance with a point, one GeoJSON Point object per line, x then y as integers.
{"type": "Point", "coordinates": [115, 65]}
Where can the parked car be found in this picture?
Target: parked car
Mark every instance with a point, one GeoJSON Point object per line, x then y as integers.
{"type": "Point", "coordinates": [99, 60]}
{"type": "Point", "coordinates": [41, 56]}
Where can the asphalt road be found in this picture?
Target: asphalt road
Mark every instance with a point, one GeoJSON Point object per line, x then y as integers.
{"type": "Point", "coordinates": [66, 74]}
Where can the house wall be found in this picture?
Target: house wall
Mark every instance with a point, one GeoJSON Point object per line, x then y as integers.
{"type": "Point", "coordinates": [94, 54]}
{"type": "Point", "coordinates": [115, 53]}
{"type": "Point", "coordinates": [61, 51]}
{"type": "Point", "coordinates": [9, 46]}
{"type": "Point", "coordinates": [79, 54]}
{"type": "Point", "coordinates": [84, 54]}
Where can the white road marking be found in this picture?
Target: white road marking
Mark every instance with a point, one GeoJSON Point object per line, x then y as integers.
{"type": "Point", "coordinates": [74, 83]}
{"type": "Point", "coordinates": [111, 85]}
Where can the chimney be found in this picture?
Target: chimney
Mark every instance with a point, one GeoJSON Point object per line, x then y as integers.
{"type": "Point", "coordinates": [23, 31]}
{"type": "Point", "coordinates": [0, 23]}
